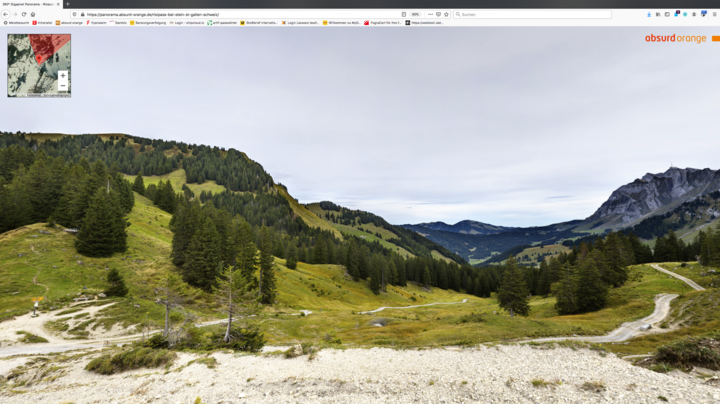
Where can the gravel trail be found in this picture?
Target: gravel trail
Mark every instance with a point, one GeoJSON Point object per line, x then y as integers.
{"type": "Point", "coordinates": [630, 329]}
{"type": "Point", "coordinates": [409, 307]}
{"type": "Point", "coordinates": [682, 278]}
{"type": "Point", "coordinates": [501, 374]}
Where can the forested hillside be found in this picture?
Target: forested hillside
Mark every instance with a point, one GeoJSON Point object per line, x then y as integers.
{"type": "Point", "coordinates": [476, 247]}
{"type": "Point", "coordinates": [65, 178]}
{"type": "Point", "coordinates": [375, 225]}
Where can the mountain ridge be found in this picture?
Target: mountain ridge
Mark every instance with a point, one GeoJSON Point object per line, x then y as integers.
{"type": "Point", "coordinates": [651, 195]}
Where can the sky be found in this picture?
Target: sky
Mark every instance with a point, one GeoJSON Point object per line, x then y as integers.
{"type": "Point", "coordinates": [508, 126]}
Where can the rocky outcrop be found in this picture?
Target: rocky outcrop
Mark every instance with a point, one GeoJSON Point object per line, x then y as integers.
{"type": "Point", "coordinates": [653, 192]}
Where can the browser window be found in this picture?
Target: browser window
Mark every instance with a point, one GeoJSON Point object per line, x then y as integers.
{"type": "Point", "coordinates": [317, 201]}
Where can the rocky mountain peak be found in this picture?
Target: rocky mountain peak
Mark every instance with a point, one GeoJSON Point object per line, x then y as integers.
{"type": "Point", "coordinates": [654, 193]}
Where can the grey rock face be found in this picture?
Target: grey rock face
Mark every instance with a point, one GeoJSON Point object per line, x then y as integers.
{"type": "Point", "coordinates": [654, 191]}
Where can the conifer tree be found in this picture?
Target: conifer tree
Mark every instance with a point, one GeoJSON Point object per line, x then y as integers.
{"type": "Point", "coordinates": [565, 292]}
{"type": "Point", "coordinates": [425, 279]}
{"type": "Point", "coordinates": [236, 299]}
{"type": "Point", "coordinates": [139, 184]}
{"type": "Point", "coordinates": [616, 260]}
{"type": "Point", "coordinates": [267, 289]}
{"type": "Point", "coordinates": [592, 292]}
{"type": "Point", "coordinates": [392, 272]}
{"type": "Point", "coordinates": [513, 292]}
{"type": "Point", "coordinates": [291, 256]}
{"type": "Point", "coordinates": [247, 258]}
{"type": "Point", "coordinates": [202, 256]}
{"type": "Point", "coordinates": [351, 260]}
{"type": "Point", "coordinates": [544, 281]}
{"type": "Point", "coordinates": [103, 230]}
{"type": "Point", "coordinates": [320, 251]}
{"type": "Point", "coordinates": [116, 285]}
{"type": "Point", "coordinates": [375, 275]}
{"type": "Point", "coordinates": [184, 224]}
{"type": "Point", "coordinates": [172, 293]}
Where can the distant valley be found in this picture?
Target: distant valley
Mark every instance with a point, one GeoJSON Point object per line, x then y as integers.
{"type": "Point", "coordinates": [681, 200]}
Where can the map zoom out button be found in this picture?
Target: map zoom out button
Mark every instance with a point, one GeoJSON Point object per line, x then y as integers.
{"type": "Point", "coordinates": [62, 80]}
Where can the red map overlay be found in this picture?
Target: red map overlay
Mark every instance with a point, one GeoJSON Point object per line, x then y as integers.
{"type": "Point", "coordinates": [45, 46]}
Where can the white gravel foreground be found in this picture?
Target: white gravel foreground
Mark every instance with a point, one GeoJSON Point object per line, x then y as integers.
{"type": "Point", "coordinates": [501, 374]}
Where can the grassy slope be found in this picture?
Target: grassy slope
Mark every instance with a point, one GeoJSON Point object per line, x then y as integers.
{"type": "Point", "coordinates": [309, 217]}
{"type": "Point", "coordinates": [369, 231]}
{"type": "Point", "coordinates": [177, 178]}
{"type": "Point", "coordinates": [149, 242]}
{"type": "Point", "coordinates": [334, 298]}
{"type": "Point", "coordinates": [324, 289]}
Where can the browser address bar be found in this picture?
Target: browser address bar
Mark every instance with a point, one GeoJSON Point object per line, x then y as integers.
{"type": "Point", "coordinates": [532, 14]}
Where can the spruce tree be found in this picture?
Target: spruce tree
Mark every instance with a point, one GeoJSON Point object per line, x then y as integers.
{"type": "Point", "coordinates": [351, 260]}
{"type": "Point", "coordinates": [184, 224]}
{"type": "Point", "coordinates": [592, 292]}
{"type": "Point", "coordinates": [103, 231]}
{"type": "Point", "coordinates": [392, 272]}
{"type": "Point", "coordinates": [291, 256]}
{"type": "Point", "coordinates": [237, 301]}
{"type": "Point", "coordinates": [268, 290]}
{"type": "Point", "coordinates": [247, 258]}
{"type": "Point", "coordinates": [566, 292]}
{"type": "Point", "coordinates": [139, 184]}
{"type": "Point", "coordinates": [544, 281]}
{"type": "Point", "coordinates": [375, 275]}
{"type": "Point", "coordinates": [202, 256]}
{"type": "Point", "coordinates": [616, 259]}
{"type": "Point", "coordinates": [513, 293]}
{"type": "Point", "coordinates": [425, 279]}
{"type": "Point", "coordinates": [116, 285]}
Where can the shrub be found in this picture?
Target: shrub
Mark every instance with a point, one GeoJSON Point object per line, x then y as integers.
{"type": "Point", "coordinates": [595, 387]}
{"type": "Point", "coordinates": [244, 339]}
{"type": "Point", "coordinates": [132, 359]}
{"type": "Point", "coordinates": [704, 352]}
{"type": "Point", "coordinates": [30, 338]}
{"type": "Point", "coordinates": [472, 318]}
{"type": "Point", "coordinates": [157, 341]}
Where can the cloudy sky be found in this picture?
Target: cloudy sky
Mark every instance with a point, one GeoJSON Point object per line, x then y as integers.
{"type": "Point", "coordinates": [515, 127]}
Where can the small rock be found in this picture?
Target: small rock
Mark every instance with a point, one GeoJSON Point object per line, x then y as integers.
{"type": "Point", "coordinates": [242, 395]}
{"type": "Point", "coordinates": [54, 266]}
{"type": "Point", "coordinates": [102, 295]}
{"type": "Point", "coordinates": [80, 262]}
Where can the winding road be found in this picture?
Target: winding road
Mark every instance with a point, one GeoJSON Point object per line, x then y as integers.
{"type": "Point", "coordinates": [633, 328]}
{"type": "Point", "coordinates": [682, 278]}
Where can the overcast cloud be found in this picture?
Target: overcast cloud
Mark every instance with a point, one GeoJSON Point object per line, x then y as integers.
{"type": "Point", "coordinates": [514, 127]}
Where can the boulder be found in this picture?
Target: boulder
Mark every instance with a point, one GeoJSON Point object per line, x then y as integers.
{"type": "Point", "coordinates": [645, 327]}
{"type": "Point", "coordinates": [102, 295]}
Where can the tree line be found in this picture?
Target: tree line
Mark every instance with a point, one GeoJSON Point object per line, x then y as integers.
{"type": "Point", "coordinates": [88, 197]}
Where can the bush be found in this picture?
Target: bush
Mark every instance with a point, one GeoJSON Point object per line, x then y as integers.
{"type": "Point", "coordinates": [132, 359]}
{"type": "Point", "coordinates": [472, 318]}
{"type": "Point", "coordinates": [157, 341]}
{"type": "Point", "coordinates": [244, 339]}
{"type": "Point", "coordinates": [691, 351]}
{"type": "Point", "coordinates": [30, 338]}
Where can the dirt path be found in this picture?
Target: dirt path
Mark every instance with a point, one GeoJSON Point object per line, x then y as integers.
{"type": "Point", "coordinates": [409, 307]}
{"type": "Point", "coordinates": [682, 278]}
{"type": "Point", "coordinates": [630, 329]}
